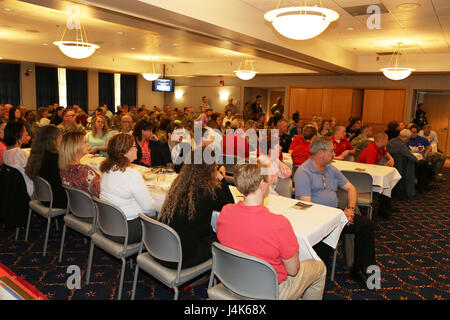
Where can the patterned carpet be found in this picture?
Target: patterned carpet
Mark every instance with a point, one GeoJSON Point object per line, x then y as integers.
{"type": "Point", "coordinates": [412, 250]}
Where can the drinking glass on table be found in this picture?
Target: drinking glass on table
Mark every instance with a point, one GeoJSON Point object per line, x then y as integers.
{"type": "Point", "coordinates": [170, 167]}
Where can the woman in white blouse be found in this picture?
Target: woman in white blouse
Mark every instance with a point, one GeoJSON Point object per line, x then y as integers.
{"type": "Point", "coordinates": [16, 135]}
{"type": "Point", "coordinates": [123, 186]}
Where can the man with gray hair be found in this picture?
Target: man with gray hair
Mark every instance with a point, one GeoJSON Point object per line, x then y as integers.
{"type": "Point", "coordinates": [404, 162]}
{"type": "Point", "coordinates": [317, 181]}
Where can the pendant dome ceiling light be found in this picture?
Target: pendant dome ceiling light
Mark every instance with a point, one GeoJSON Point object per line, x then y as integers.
{"type": "Point", "coordinates": [151, 76]}
{"type": "Point", "coordinates": [246, 73]}
{"type": "Point", "coordinates": [395, 72]}
{"type": "Point", "coordinates": [301, 23]}
{"type": "Point", "coordinates": [80, 48]}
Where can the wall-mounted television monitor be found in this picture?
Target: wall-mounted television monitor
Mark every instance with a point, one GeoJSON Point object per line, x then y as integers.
{"type": "Point", "coordinates": [163, 85]}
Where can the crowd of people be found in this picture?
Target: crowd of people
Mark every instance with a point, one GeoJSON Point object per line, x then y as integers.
{"type": "Point", "coordinates": [59, 137]}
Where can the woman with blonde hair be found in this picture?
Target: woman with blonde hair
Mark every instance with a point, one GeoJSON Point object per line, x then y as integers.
{"type": "Point", "coordinates": [99, 136]}
{"type": "Point", "coordinates": [198, 190]}
{"type": "Point", "coordinates": [124, 186]}
{"type": "Point", "coordinates": [74, 174]}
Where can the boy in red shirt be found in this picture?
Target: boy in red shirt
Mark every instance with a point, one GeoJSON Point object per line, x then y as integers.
{"type": "Point", "coordinates": [374, 151]}
{"type": "Point", "coordinates": [251, 228]}
{"type": "Point", "coordinates": [343, 149]}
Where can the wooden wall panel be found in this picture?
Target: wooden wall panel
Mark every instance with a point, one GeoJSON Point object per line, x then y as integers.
{"type": "Point", "coordinates": [297, 101]}
{"type": "Point", "coordinates": [357, 103]}
{"type": "Point", "coordinates": [342, 104]}
{"type": "Point", "coordinates": [313, 103]}
{"type": "Point", "coordinates": [327, 104]}
{"type": "Point", "coordinates": [373, 106]}
{"type": "Point", "coordinates": [393, 105]}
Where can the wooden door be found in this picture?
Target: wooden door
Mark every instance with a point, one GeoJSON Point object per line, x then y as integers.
{"type": "Point", "coordinates": [437, 108]}
{"type": "Point", "coordinates": [342, 104]}
{"type": "Point", "coordinates": [313, 103]}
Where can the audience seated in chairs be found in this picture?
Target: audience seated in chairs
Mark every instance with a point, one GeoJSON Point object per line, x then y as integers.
{"type": "Point", "coordinates": [354, 128]}
{"type": "Point", "coordinates": [43, 162]}
{"type": "Point", "coordinates": [299, 148]}
{"type": "Point", "coordinates": [343, 149]}
{"type": "Point", "coordinates": [15, 135]}
{"type": "Point", "coordinates": [362, 140]}
{"type": "Point", "coordinates": [318, 181]}
{"type": "Point", "coordinates": [124, 186]}
{"type": "Point", "coordinates": [233, 143]}
{"type": "Point", "coordinates": [171, 150]}
{"type": "Point", "coordinates": [74, 174]}
{"type": "Point", "coordinates": [373, 154]}
{"type": "Point", "coordinates": [198, 190]}
{"type": "Point", "coordinates": [251, 228]}
{"type": "Point", "coordinates": [146, 142]}
{"type": "Point", "coordinates": [99, 137]}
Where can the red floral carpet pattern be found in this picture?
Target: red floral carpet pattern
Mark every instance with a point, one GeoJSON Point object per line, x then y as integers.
{"type": "Point", "coordinates": [412, 251]}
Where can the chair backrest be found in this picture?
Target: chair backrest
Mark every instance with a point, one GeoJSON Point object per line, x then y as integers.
{"type": "Point", "coordinates": [243, 274]}
{"type": "Point", "coordinates": [160, 240]}
{"type": "Point", "coordinates": [361, 180]}
{"type": "Point", "coordinates": [42, 190]}
{"type": "Point", "coordinates": [111, 220]}
{"type": "Point", "coordinates": [80, 203]}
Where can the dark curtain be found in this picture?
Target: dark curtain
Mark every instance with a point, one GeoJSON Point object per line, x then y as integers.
{"type": "Point", "coordinates": [106, 90]}
{"type": "Point", "coordinates": [46, 86]}
{"type": "Point", "coordinates": [128, 89]}
{"type": "Point", "coordinates": [10, 83]}
{"type": "Point", "coordinates": [77, 88]}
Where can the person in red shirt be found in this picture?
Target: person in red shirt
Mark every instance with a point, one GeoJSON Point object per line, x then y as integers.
{"type": "Point", "coordinates": [250, 227]}
{"type": "Point", "coordinates": [234, 144]}
{"type": "Point", "coordinates": [373, 153]}
{"type": "Point", "coordinates": [343, 149]}
{"type": "Point", "coordinates": [299, 148]}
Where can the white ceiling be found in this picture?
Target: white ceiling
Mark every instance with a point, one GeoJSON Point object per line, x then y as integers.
{"type": "Point", "coordinates": [425, 29]}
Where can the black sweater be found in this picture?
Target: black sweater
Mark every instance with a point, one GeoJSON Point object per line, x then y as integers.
{"type": "Point", "coordinates": [50, 172]}
{"type": "Point", "coordinates": [196, 235]}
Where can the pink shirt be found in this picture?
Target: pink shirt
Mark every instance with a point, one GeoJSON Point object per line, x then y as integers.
{"type": "Point", "coordinates": [258, 232]}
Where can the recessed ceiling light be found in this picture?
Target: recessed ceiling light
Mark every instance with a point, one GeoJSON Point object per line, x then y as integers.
{"type": "Point", "coordinates": [133, 48]}
{"type": "Point", "coordinates": [1, 58]}
{"type": "Point", "coordinates": [45, 44]}
{"type": "Point", "coordinates": [350, 28]}
{"type": "Point", "coordinates": [7, 9]}
{"type": "Point", "coordinates": [175, 44]}
{"type": "Point", "coordinates": [120, 32]}
{"type": "Point", "coordinates": [408, 6]}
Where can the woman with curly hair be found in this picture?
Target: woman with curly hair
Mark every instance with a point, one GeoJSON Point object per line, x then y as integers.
{"type": "Point", "coordinates": [124, 186]}
{"type": "Point", "coordinates": [146, 142]}
{"type": "Point", "coordinates": [43, 162]}
{"type": "Point", "coordinates": [198, 190]}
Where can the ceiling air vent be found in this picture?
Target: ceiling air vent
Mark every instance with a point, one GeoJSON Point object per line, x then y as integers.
{"type": "Point", "coordinates": [362, 10]}
{"type": "Point", "coordinates": [385, 53]}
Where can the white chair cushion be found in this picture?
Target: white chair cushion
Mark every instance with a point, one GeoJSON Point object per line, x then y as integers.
{"type": "Point", "coordinates": [167, 275]}
{"type": "Point", "coordinates": [114, 248]}
{"type": "Point", "coordinates": [220, 292]}
{"type": "Point", "coordinates": [81, 226]}
{"type": "Point", "coordinates": [42, 210]}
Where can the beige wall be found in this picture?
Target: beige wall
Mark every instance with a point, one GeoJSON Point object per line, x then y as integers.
{"type": "Point", "coordinates": [192, 96]}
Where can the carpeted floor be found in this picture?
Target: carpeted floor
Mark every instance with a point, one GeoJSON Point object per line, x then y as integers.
{"type": "Point", "coordinates": [412, 250]}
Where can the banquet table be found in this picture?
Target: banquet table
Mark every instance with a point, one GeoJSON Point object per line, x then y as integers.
{"type": "Point", "coordinates": [312, 225]}
{"type": "Point", "coordinates": [384, 178]}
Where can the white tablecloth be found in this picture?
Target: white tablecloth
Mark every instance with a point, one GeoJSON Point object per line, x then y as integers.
{"type": "Point", "coordinates": [384, 178]}
{"type": "Point", "coordinates": [312, 225]}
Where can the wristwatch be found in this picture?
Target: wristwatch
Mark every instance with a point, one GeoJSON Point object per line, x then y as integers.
{"type": "Point", "coordinates": [353, 208]}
